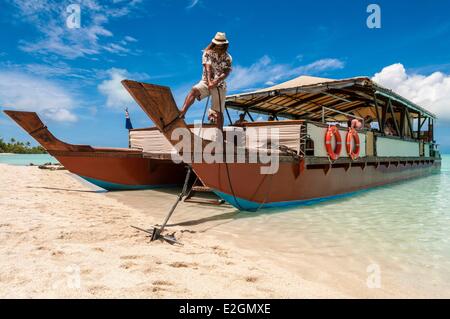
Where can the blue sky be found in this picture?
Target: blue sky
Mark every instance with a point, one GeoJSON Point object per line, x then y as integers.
{"type": "Point", "coordinates": [71, 77]}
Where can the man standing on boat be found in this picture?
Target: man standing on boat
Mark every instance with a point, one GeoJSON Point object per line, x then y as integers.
{"type": "Point", "coordinates": [216, 68]}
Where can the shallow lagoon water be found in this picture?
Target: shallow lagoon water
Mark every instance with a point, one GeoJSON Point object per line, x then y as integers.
{"type": "Point", "coordinates": [403, 228]}
{"type": "Point", "coordinates": [26, 159]}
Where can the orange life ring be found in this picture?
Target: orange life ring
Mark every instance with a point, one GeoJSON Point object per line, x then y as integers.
{"type": "Point", "coordinates": [352, 152]}
{"type": "Point", "coordinates": [333, 153]}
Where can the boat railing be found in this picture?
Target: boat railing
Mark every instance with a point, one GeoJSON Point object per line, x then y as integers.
{"type": "Point", "coordinates": [324, 109]}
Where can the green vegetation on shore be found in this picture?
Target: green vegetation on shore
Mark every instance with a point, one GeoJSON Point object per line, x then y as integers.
{"type": "Point", "coordinates": [17, 147]}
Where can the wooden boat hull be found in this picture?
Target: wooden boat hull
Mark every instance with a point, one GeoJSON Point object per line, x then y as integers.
{"type": "Point", "coordinates": [109, 168]}
{"type": "Point", "coordinates": [243, 185]}
{"type": "Point", "coordinates": [116, 172]}
{"type": "Point", "coordinates": [290, 187]}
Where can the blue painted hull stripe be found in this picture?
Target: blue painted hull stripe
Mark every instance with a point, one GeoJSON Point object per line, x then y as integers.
{"type": "Point", "coordinates": [254, 206]}
{"type": "Point", "coordinates": [251, 206]}
{"type": "Point", "coordinates": [116, 187]}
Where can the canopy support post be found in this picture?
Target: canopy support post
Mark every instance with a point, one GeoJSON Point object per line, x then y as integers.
{"type": "Point", "coordinates": [275, 116]}
{"type": "Point", "coordinates": [402, 122]}
{"type": "Point", "coordinates": [249, 115]}
{"type": "Point", "coordinates": [422, 123]}
{"type": "Point", "coordinates": [419, 120]}
{"type": "Point", "coordinates": [380, 122]}
{"type": "Point", "coordinates": [410, 125]}
{"type": "Point", "coordinates": [393, 117]}
{"type": "Point", "coordinates": [384, 115]}
{"type": "Point", "coordinates": [228, 114]}
{"type": "Point", "coordinates": [431, 125]}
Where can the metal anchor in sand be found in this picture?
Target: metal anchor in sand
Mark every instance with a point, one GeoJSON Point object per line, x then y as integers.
{"type": "Point", "coordinates": [156, 233]}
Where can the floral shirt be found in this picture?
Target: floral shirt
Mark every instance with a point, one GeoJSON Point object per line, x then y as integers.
{"type": "Point", "coordinates": [219, 65]}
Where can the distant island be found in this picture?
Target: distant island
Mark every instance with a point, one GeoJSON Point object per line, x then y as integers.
{"type": "Point", "coordinates": [17, 147]}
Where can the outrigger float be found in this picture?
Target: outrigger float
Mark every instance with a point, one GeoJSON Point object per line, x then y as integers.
{"type": "Point", "coordinates": [113, 169]}
{"type": "Point", "coordinates": [313, 164]}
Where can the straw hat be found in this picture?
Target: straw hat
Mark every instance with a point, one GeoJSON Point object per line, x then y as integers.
{"type": "Point", "coordinates": [220, 38]}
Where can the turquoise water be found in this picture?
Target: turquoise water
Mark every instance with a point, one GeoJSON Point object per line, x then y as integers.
{"type": "Point", "coordinates": [403, 229]}
{"type": "Point", "coordinates": [26, 159]}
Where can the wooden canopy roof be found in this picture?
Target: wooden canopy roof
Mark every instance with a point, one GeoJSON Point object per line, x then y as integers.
{"type": "Point", "coordinates": [305, 97]}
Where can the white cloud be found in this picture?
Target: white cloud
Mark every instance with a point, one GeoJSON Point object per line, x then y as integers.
{"type": "Point", "coordinates": [49, 18]}
{"type": "Point", "coordinates": [429, 91]}
{"type": "Point", "coordinates": [320, 66]}
{"type": "Point", "coordinates": [260, 72]}
{"type": "Point", "coordinates": [192, 4]}
{"type": "Point", "coordinates": [117, 97]}
{"type": "Point", "coordinates": [116, 48]}
{"type": "Point", "coordinates": [130, 39]}
{"type": "Point", "coordinates": [24, 92]}
{"type": "Point", "coordinates": [268, 73]}
{"type": "Point", "coordinates": [60, 70]}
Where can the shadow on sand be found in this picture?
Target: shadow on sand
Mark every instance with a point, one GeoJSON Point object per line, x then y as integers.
{"type": "Point", "coordinates": [69, 190]}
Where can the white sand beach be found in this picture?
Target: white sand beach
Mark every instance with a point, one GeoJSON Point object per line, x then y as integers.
{"type": "Point", "coordinates": [59, 238]}
{"type": "Point", "coordinates": [53, 227]}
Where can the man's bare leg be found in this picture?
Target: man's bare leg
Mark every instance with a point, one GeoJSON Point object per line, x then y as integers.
{"type": "Point", "coordinates": [190, 99]}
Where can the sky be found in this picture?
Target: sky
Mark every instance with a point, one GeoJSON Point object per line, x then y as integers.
{"type": "Point", "coordinates": [71, 76]}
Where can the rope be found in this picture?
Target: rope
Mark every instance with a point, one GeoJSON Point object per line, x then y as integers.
{"type": "Point", "coordinates": [226, 163]}
{"type": "Point", "coordinates": [229, 176]}
{"type": "Point", "coordinates": [203, 118]}
{"type": "Point", "coordinates": [225, 160]}
{"type": "Point", "coordinates": [206, 108]}
{"type": "Point", "coordinates": [267, 194]}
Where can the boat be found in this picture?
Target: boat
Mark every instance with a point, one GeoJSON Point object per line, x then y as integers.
{"type": "Point", "coordinates": [319, 155]}
{"type": "Point", "coordinates": [113, 169]}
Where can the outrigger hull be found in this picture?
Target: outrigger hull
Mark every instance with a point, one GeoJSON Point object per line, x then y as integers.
{"type": "Point", "coordinates": [110, 168]}
{"type": "Point", "coordinates": [120, 171]}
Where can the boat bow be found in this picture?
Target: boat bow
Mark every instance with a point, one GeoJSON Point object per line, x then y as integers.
{"type": "Point", "coordinates": [33, 125]}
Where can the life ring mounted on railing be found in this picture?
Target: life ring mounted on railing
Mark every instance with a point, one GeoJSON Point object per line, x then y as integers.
{"type": "Point", "coordinates": [353, 152]}
{"type": "Point", "coordinates": [333, 153]}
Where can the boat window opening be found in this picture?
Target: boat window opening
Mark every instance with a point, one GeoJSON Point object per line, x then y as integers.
{"type": "Point", "coordinates": [228, 115]}
{"type": "Point", "coordinates": [422, 130]}
{"type": "Point", "coordinates": [249, 115]}
{"type": "Point", "coordinates": [309, 147]}
{"type": "Point", "coordinates": [389, 128]}
{"type": "Point", "coordinates": [375, 126]}
{"type": "Point", "coordinates": [349, 116]}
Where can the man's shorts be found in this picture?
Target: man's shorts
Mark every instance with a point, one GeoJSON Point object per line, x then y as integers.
{"type": "Point", "coordinates": [217, 94]}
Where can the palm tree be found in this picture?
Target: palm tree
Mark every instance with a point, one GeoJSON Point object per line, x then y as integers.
{"type": "Point", "coordinates": [2, 146]}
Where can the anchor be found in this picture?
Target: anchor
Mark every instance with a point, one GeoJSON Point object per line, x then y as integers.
{"type": "Point", "coordinates": [156, 233]}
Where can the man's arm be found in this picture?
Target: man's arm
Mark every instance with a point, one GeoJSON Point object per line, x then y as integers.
{"type": "Point", "coordinates": [222, 77]}
{"type": "Point", "coordinates": [209, 74]}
